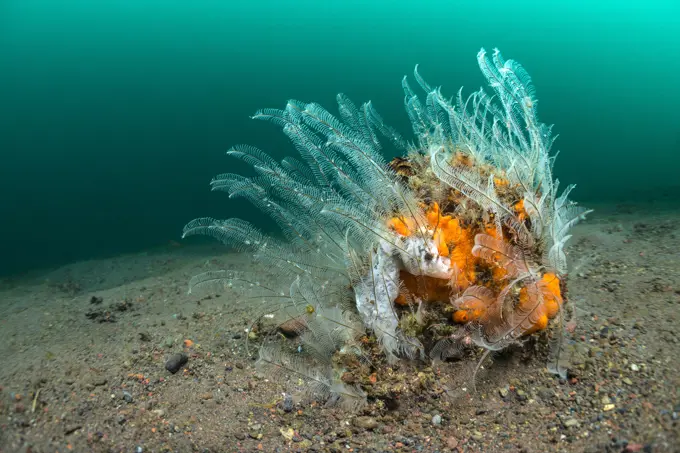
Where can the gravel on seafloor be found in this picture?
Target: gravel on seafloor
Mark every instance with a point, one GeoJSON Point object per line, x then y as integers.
{"type": "Point", "coordinates": [96, 365]}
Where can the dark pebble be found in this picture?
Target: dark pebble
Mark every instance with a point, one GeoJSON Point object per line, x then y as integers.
{"type": "Point", "coordinates": [176, 362]}
{"type": "Point", "coordinates": [287, 403]}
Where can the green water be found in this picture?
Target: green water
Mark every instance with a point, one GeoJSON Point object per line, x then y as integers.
{"type": "Point", "coordinates": [114, 115]}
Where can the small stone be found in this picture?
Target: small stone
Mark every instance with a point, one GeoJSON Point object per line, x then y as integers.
{"type": "Point", "coordinates": [437, 420]}
{"type": "Point", "coordinates": [287, 404]}
{"type": "Point", "coordinates": [634, 367]}
{"type": "Point", "coordinates": [606, 400]}
{"type": "Point", "coordinates": [70, 429]}
{"type": "Point", "coordinates": [254, 431]}
{"type": "Point", "coordinates": [287, 433]}
{"type": "Point", "coordinates": [364, 422]}
{"type": "Point", "coordinates": [571, 423]}
{"type": "Point", "coordinates": [608, 407]}
{"type": "Point", "coordinates": [545, 394]}
{"type": "Point", "coordinates": [503, 392]}
{"type": "Point", "coordinates": [521, 395]}
{"type": "Point", "coordinates": [451, 442]}
{"type": "Point", "coordinates": [127, 397]}
{"type": "Point", "coordinates": [175, 362]}
{"type": "Point", "coordinates": [627, 381]}
{"type": "Point", "coordinates": [299, 439]}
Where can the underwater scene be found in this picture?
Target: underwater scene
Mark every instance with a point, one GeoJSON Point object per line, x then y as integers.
{"type": "Point", "coordinates": [362, 226]}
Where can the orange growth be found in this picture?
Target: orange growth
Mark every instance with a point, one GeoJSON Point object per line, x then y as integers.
{"type": "Point", "coordinates": [401, 225]}
{"type": "Point", "coordinates": [473, 305]}
{"type": "Point", "coordinates": [519, 209]}
{"type": "Point", "coordinates": [500, 182]}
{"type": "Point", "coordinates": [538, 319]}
{"type": "Point", "coordinates": [552, 295]}
{"type": "Point", "coordinates": [549, 302]}
{"type": "Point", "coordinates": [469, 311]}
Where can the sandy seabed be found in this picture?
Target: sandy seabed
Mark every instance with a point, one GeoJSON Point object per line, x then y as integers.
{"type": "Point", "coordinates": [85, 347]}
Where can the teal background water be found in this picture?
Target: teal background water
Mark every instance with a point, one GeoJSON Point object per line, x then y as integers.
{"type": "Point", "coordinates": [114, 115]}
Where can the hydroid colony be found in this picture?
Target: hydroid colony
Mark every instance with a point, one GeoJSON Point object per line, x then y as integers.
{"type": "Point", "coordinates": [459, 243]}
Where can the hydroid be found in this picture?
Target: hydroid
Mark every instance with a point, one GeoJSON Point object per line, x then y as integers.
{"type": "Point", "coordinates": [459, 242]}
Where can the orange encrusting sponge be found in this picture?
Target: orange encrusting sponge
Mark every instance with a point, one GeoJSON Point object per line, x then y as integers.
{"type": "Point", "coordinates": [401, 225]}
{"type": "Point", "coordinates": [538, 312]}
{"type": "Point", "coordinates": [456, 242]}
{"type": "Point", "coordinates": [470, 310]}
{"type": "Point", "coordinates": [552, 295]}
{"type": "Point", "coordinates": [547, 306]}
{"type": "Point", "coordinates": [520, 210]}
